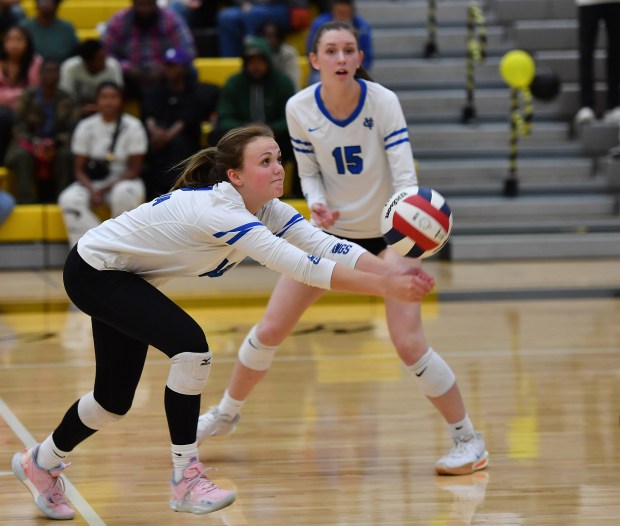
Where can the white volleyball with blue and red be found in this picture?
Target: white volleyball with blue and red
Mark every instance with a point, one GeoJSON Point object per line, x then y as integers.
{"type": "Point", "coordinates": [416, 222]}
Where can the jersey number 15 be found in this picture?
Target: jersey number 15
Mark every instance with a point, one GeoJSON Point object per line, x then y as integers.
{"type": "Point", "coordinates": [348, 158]}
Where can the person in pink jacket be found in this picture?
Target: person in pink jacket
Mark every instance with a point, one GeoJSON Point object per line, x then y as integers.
{"type": "Point", "coordinates": [19, 68]}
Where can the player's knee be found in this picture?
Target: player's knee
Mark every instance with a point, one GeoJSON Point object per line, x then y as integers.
{"type": "Point", "coordinates": [433, 374]}
{"type": "Point", "coordinates": [94, 415]}
{"type": "Point", "coordinates": [254, 354]}
{"type": "Point", "coordinates": [189, 372]}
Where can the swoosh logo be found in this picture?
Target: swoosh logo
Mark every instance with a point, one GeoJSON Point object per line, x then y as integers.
{"type": "Point", "coordinates": [421, 372]}
{"type": "Point", "coordinates": [313, 129]}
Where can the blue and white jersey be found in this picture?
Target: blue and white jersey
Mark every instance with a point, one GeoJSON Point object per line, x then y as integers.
{"type": "Point", "coordinates": [208, 231]}
{"type": "Point", "coordinates": [353, 165]}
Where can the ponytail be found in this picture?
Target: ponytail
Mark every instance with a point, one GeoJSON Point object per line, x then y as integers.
{"type": "Point", "coordinates": [210, 166]}
{"type": "Point", "coordinates": [199, 170]}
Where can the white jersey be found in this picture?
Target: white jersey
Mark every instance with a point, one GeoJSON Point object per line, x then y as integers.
{"type": "Point", "coordinates": [354, 165]}
{"type": "Point", "coordinates": [208, 231]}
{"type": "Point", "coordinates": [92, 138]}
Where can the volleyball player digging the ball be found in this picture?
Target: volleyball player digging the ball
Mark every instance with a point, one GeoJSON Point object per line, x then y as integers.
{"type": "Point", "coordinates": [223, 209]}
{"type": "Point", "coordinates": [352, 147]}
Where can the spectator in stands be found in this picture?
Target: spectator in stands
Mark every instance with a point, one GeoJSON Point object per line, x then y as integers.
{"type": "Point", "coordinates": [39, 159]}
{"type": "Point", "coordinates": [108, 149]}
{"type": "Point", "coordinates": [53, 38]}
{"type": "Point", "coordinates": [590, 14]}
{"type": "Point", "coordinates": [139, 36]}
{"type": "Point", "coordinates": [343, 10]}
{"type": "Point", "coordinates": [19, 68]}
{"type": "Point", "coordinates": [283, 55]}
{"type": "Point", "coordinates": [10, 15]}
{"type": "Point", "coordinates": [80, 75]}
{"type": "Point", "coordinates": [173, 111]}
{"type": "Point", "coordinates": [201, 17]}
{"type": "Point", "coordinates": [256, 94]}
{"type": "Point", "coordinates": [7, 203]}
{"type": "Point", "coordinates": [244, 18]}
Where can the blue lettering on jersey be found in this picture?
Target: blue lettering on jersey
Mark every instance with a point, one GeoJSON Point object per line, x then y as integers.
{"type": "Point", "coordinates": [161, 199]}
{"type": "Point", "coordinates": [341, 248]}
{"type": "Point", "coordinates": [219, 270]}
{"type": "Point", "coordinates": [314, 259]}
{"type": "Point", "coordinates": [242, 231]}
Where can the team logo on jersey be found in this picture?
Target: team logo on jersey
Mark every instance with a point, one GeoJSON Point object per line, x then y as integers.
{"type": "Point", "coordinates": [369, 123]}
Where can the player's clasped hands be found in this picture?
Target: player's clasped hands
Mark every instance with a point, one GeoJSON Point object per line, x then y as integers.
{"type": "Point", "coordinates": [410, 285]}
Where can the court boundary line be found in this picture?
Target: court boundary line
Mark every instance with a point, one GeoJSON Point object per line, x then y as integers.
{"type": "Point", "coordinates": [81, 505]}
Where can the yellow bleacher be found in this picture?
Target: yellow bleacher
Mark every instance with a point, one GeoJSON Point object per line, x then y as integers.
{"type": "Point", "coordinates": [83, 14]}
{"type": "Point", "coordinates": [43, 223]}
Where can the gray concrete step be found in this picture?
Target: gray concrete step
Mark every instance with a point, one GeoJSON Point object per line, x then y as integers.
{"type": "Point", "coordinates": [540, 35]}
{"type": "Point", "coordinates": [452, 41]}
{"type": "Point", "coordinates": [492, 136]}
{"type": "Point", "coordinates": [533, 246]}
{"type": "Point", "coordinates": [491, 104]}
{"type": "Point", "coordinates": [487, 176]}
{"type": "Point", "coordinates": [510, 210]}
{"type": "Point", "coordinates": [508, 11]}
{"type": "Point", "coordinates": [442, 73]}
{"type": "Point", "coordinates": [411, 13]}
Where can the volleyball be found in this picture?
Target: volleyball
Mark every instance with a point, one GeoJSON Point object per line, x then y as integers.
{"type": "Point", "coordinates": [416, 222]}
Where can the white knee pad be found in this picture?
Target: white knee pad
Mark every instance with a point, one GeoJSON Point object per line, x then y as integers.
{"type": "Point", "coordinates": [93, 415]}
{"type": "Point", "coordinates": [254, 354]}
{"type": "Point", "coordinates": [433, 374]}
{"type": "Point", "coordinates": [189, 372]}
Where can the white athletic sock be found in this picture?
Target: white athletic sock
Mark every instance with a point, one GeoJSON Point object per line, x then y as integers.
{"type": "Point", "coordinates": [462, 428]}
{"type": "Point", "coordinates": [230, 406]}
{"type": "Point", "coordinates": [49, 456]}
{"type": "Point", "coordinates": [181, 458]}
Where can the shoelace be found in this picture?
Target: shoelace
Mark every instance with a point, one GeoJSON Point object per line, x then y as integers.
{"type": "Point", "coordinates": [461, 444]}
{"type": "Point", "coordinates": [56, 492]}
{"type": "Point", "coordinates": [201, 481]}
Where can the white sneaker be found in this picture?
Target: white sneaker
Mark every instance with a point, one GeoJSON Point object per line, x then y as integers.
{"type": "Point", "coordinates": [612, 116]}
{"type": "Point", "coordinates": [468, 454]}
{"type": "Point", "coordinates": [213, 423]}
{"type": "Point", "coordinates": [585, 116]}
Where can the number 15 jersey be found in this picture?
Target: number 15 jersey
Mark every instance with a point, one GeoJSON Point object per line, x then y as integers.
{"type": "Point", "coordinates": [353, 165]}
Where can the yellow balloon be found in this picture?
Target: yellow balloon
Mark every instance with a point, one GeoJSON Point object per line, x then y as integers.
{"type": "Point", "coordinates": [517, 68]}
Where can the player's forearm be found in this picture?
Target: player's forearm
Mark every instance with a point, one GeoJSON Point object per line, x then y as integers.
{"type": "Point", "coordinates": [346, 280]}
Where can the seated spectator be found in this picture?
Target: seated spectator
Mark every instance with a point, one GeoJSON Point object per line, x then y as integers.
{"type": "Point", "coordinates": [108, 149]}
{"type": "Point", "coordinates": [343, 10]}
{"type": "Point", "coordinates": [244, 18]}
{"type": "Point", "coordinates": [10, 15]}
{"type": "Point", "coordinates": [284, 56]}
{"type": "Point", "coordinates": [39, 160]}
{"type": "Point", "coordinates": [139, 36]}
{"type": "Point", "coordinates": [197, 13]}
{"type": "Point", "coordinates": [80, 75]}
{"type": "Point", "coordinates": [256, 94]}
{"type": "Point", "coordinates": [173, 111]}
{"type": "Point", "coordinates": [53, 38]}
{"type": "Point", "coordinates": [19, 68]}
{"type": "Point", "coordinates": [7, 203]}
{"type": "Point", "coordinates": [201, 17]}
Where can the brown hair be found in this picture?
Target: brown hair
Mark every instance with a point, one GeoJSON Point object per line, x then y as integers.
{"type": "Point", "coordinates": [209, 166]}
{"type": "Point", "coordinates": [334, 25]}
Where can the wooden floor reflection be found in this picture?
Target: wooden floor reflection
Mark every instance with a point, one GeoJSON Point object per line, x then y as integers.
{"type": "Point", "coordinates": [338, 433]}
